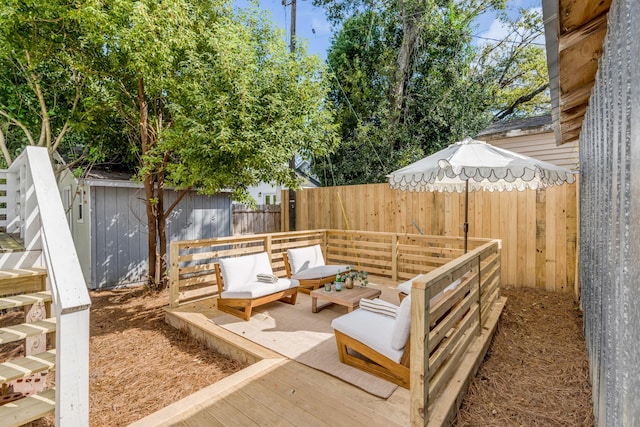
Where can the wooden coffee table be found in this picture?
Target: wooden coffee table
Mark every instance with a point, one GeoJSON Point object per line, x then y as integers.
{"type": "Point", "coordinates": [349, 298]}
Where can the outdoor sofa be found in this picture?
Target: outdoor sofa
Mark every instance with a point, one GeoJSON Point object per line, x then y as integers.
{"type": "Point", "coordinates": [240, 289]}
{"type": "Point", "coordinates": [307, 265]}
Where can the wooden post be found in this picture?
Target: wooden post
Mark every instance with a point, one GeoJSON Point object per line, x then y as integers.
{"type": "Point", "coordinates": [419, 374]}
{"type": "Point", "coordinates": [267, 245]}
{"type": "Point", "coordinates": [72, 367]}
{"type": "Point", "coordinates": [284, 211]}
{"type": "Point", "coordinates": [174, 274]}
{"type": "Point", "coordinates": [479, 271]}
{"type": "Point", "coordinates": [394, 256]}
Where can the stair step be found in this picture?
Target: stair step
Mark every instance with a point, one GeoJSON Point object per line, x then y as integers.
{"type": "Point", "coordinates": [20, 368]}
{"type": "Point", "coordinates": [24, 330]}
{"type": "Point", "coordinates": [25, 299]}
{"type": "Point", "coordinates": [23, 411]}
{"type": "Point", "coordinates": [23, 279]}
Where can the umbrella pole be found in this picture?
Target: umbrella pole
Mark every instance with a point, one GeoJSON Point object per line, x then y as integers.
{"type": "Point", "coordinates": [466, 213]}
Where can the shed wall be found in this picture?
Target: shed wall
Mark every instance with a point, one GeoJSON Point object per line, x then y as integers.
{"type": "Point", "coordinates": [541, 146]}
{"type": "Point", "coordinates": [119, 230]}
{"type": "Point", "coordinates": [610, 222]}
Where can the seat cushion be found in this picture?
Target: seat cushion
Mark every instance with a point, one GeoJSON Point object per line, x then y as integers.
{"type": "Point", "coordinates": [255, 289]}
{"type": "Point", "coordinates": [320, 271]}
{"type": "Point", "coordinates": [304, 258]}
{"type": "Point", "coordinates": [405, 288]}
{"type": "Point", "coordinates": [402, 325]}
{"type": "Point", "coordinates": [371, 329]}
{"type": "Point", "coordinates": [238, 271]}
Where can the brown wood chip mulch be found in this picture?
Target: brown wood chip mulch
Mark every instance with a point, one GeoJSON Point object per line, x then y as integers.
{"type": "Point", "coordinates": [536, 371]}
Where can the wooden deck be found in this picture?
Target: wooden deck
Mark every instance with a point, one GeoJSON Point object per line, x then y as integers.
{"type": "Point", "coordinates": [10, 243]}
{"type": "Point", "coordinates": [273, 390]}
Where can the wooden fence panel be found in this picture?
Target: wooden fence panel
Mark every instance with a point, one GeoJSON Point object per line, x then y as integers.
{"type": "Point", "coordinates": [262, 219]}
{"type": "Point", "coordinates": [538, 229]}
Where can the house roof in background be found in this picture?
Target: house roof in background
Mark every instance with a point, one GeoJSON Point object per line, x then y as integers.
{"type": "Point", "coordinates": [518, 127]}
{"type": "Point", "coordinates": [574, 31]}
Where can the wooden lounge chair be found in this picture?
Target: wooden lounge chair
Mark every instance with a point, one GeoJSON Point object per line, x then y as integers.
{"type": "Point", "coordinates": [240, 291]}
{"type": "Point", "coordinates": [308, 267]}
{"type": "Point", "coordinates": [382, 340]}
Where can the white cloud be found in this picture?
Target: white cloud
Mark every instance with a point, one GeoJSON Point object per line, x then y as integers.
{"type": "Point", "coordinates": [497, 31]}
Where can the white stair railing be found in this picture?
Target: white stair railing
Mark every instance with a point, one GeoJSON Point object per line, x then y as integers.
{"type": "Point", "coordinates": [34, 209]}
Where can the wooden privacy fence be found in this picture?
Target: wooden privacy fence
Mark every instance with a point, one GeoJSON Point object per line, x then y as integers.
{"type": "Point", "coordinates": [399, 256]}
{"type": "Point", "coordinates": [448, 340]}
{"type": "Point", "coordinates": [262, 219]}
{"type": "Point", "coordinates": [538, 229]}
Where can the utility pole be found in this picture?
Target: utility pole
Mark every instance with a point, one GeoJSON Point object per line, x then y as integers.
{"type": "Point", "coordinates": [292, 161]}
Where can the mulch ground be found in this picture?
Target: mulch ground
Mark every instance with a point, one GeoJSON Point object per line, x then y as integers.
{"type": "Point", "coordinates": [138, 363]}
{"type": "Point", "coordinates": [535, 373]}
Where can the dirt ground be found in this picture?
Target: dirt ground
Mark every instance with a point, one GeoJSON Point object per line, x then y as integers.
{"type": "Point", "coordinates": [535, 373]}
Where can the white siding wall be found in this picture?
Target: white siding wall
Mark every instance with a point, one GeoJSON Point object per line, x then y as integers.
{"type": "Point", "coordinates": [541, 146]}
{"type": "Point", "coordinates": [80, 228]}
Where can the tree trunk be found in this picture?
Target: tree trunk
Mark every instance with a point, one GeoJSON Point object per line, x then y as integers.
{"type": "Point", "coordinates": [411, 32]}
{"type": "Point", "coordinates": [148, 182]}
{"type": "Point", "coordinates": [162, 232]}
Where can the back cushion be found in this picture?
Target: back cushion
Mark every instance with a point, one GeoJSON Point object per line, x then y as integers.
{"type": "Point", "coordinates": [241, 270]}
{"type": "Point", "coordinates": [402, 325]}
{"type": "Point", "coordinates": [301, 259]}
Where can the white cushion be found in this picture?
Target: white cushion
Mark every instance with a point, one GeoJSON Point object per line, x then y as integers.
{"type": "Point", "coordinates": [238, 271]}
{"type": "Point", "coordinates": [320, 271]}
{"type": "Point", "coordinates": [402, 325]}
{"type": "Point", "coordinates": [305, 258]}
{"type": "Point", "coordinates": [405, 288]}
{"type": "Point", "coordinates": [257, 289]}
{"type": "Point", "coordinates": [371, 329]}
{"type": "Point", "coordinates": [379, 306]}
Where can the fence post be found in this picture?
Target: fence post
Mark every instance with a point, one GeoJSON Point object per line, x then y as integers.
{"type": "Point", "coordinates": [479, 271]}
{"type": "Point", "coordinates": [284, 210]}
{"type": "Point", "coordinates": [267, 245]}
{"type": "Point", "coordinates": [419, 367]}
{"type": "Point", "coordinates": [174, 274]}
{"type": "Point", "coordinates": [394, 256]}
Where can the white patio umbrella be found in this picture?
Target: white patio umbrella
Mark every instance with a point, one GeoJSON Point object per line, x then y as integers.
{"type": "Point", "coordinates": [471, 165]}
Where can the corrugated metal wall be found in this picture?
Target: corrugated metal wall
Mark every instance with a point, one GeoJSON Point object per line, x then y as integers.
{"type": "Point", "coordinates": [119, 230]}
{"type": "Point", "coordinates": [610, 222]}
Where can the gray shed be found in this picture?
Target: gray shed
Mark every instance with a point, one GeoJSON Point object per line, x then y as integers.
{"type": "Point", "coordinates": [106, 214]}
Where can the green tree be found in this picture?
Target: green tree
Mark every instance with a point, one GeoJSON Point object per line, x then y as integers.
{"type": "Point", "coordinates": [43, 58]}
{"type": "Point", "coordinates": [215, 100]}
{"type": "Point", "coordinates": [383, 126]}
{"type": "Point", "coordinates": [516, 68]}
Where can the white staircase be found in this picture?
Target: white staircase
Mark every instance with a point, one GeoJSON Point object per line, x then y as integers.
{"type": "Point", "coordinates": [44, 303]}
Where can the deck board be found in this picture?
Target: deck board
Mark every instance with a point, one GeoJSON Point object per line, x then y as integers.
{"type": "Point", "coordinates": [274, 391]}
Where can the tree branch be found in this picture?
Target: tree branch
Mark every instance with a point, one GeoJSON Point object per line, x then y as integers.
{"type": "Point", "coordinates": [20, 125]}
{"type": "Point", "coordinates": [45, 130]}
{"type": "Point", "coordinates": [177, 200]}
{"type": "Point", "coordinates": [524, 98]}
{"type": "Point", "coordinates": [65, 128]}
{"type": "Point", "coordinates": [3, 147]}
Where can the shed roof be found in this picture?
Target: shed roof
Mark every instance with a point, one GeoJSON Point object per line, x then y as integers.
{"type": "Point", "coordinates": [518, 127]}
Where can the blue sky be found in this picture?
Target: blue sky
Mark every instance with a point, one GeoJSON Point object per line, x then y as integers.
{"type": "Point", "coordinates": [312, 25]}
